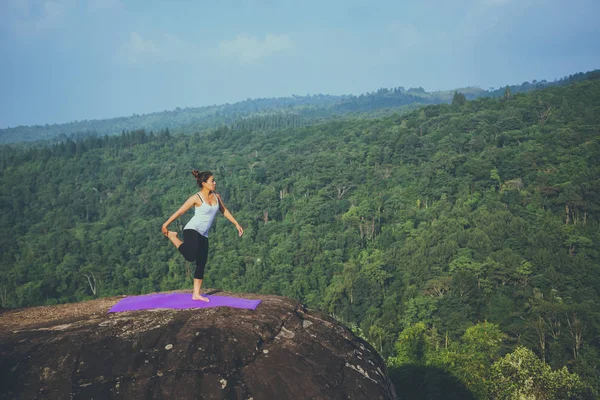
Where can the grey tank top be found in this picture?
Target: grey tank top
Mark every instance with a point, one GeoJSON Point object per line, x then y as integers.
{"type": "Point", "coordinates": [203, 217]}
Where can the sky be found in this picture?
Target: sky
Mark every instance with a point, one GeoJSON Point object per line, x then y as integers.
{"type": "Point", "coordinates": [74, 60]}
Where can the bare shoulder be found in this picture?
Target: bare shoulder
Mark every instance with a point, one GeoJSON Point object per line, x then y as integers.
{"type": "Point", "coordinates": [221, 205]}
{"type": "Point", "coordinates": [193, 199]}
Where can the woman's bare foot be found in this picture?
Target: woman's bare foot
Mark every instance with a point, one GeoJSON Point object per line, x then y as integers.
{"type": "Point", "coordinates": [173, 238]}
{"type": "Point", "coordinates": [200, 297]}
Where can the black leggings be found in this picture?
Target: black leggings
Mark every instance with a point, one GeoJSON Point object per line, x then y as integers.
{"type": "Point", "coordinates": [195, 248]}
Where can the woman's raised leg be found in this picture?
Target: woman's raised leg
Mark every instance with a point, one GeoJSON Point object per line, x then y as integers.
{"type": "Point", "coordinates": [173, 238]}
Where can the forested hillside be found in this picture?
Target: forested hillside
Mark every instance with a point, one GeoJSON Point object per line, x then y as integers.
{"type": "Point", "coordinates": [460, 236]}
{"type": "Point", "coordinates": [291, 111]}
{"type": "Point", "coordinates": [267, 113]}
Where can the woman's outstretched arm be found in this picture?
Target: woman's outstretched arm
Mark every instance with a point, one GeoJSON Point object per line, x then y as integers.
{"type": "Point", "coordinates": [186, 206]}
{"type": "Point", "coordinates": [229, 216]}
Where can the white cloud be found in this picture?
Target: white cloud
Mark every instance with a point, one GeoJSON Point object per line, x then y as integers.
{"type": "Point", "coordinates": [137, 50]}
{"type": "Point", "coordinates": [163, 48]}
{"type": "Point", "coordinates": [248, 49]}
{"type": "Point", "coordinates": [170, 48]}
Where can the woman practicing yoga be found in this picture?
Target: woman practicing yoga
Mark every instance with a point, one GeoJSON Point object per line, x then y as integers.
{"type": "Point", "coordinates": [195, 234]}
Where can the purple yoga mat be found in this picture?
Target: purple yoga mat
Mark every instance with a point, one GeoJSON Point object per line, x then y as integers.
{"type": "Point", "coordinates": [180, 300]}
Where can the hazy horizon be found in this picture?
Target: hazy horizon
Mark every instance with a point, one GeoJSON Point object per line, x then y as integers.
{"type": "Point", "coordinates": [69, 60]}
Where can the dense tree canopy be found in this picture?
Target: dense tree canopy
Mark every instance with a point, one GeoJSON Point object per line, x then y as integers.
{"type": "Point", "coordinates": [469, 227]}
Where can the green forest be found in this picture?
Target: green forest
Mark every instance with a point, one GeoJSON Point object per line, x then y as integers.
{"type": "Point", "coordinates": [461, 238]}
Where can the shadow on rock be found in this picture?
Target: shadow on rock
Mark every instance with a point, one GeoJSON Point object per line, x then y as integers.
{"type": "Point", "coordinates": [419, 382]}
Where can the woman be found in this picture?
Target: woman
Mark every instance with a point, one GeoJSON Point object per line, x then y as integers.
{"type": "Point", "coordinates": [195, 234]}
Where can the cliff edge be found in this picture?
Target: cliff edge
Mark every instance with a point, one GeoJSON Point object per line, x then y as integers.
{"type": "Point", "coordinates": [281, 350]}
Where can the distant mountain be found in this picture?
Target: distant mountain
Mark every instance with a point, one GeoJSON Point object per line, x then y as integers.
{"type": "Point", "coordinates": [266, 112]}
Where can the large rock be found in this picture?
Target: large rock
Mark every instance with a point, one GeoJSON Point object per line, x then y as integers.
{"type": "Point", "coordinates": [281, 350]}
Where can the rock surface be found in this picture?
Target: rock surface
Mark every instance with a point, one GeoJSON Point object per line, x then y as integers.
{"type": "Point", "coordinates": [281, 350]}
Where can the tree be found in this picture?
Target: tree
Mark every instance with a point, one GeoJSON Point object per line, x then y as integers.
{"type": "Point", "coordinates": [412, 346]}
{"type": "Point", "coordinates": [521, 374]}
{"type": "Point", "coordinates": [458, 99]}
{"type": "Point", "coordinates": [479, 348]}
{"type": "Point", "coordinates": [377, 334]}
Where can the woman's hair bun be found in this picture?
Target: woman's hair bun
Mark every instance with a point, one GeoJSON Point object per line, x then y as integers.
{"type": "Point", "coordinates": [201, 176]}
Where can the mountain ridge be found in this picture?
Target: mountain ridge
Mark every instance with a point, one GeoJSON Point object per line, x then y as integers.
{"type": "Point", "coordinates": [305, 109]}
